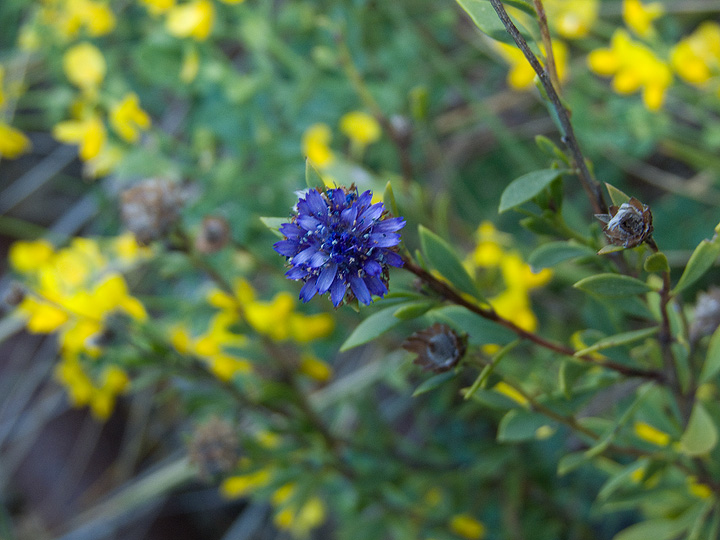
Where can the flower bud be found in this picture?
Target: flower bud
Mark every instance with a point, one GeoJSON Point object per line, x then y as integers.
{"type": "Point", "coordinates": [629, 225]}
{"type": "Point", "coordinates": [214, 235]}
{"type": "Point", "coordinates": [213, 448]}
{"type": "Point", "coordinates": [150, 209]}
{"type": "Point", "coordinates": [439, 348]}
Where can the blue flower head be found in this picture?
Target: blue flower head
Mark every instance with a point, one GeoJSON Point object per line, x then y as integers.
{"type": "Point", "coordinates": [338, 241]}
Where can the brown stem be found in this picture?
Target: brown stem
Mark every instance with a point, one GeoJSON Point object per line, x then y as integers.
{"type": "Point", "coordinates": [591, 186]}
{"type": "Point", "coordinates": [547, 42]}
{"type": "Point", "coordinates": [448, 293]}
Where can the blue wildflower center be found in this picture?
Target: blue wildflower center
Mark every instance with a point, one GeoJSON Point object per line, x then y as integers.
{"type": "Point", "coordinates": [341, 243]}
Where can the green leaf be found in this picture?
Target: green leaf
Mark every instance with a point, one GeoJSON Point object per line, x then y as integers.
{"type": "Point", "coordinates": [618, 339]}
{"type": "Point", "coordinates": [528, 186]}
{"type": "Point", "coordinates": [413, 310]}
{"type": "Point", "coordinates": [482, 378]}
{"type": "Point", "coordinates": [480, 331]}
{"type": "Point", "coordinates": [485, 18]}
{"type": "Point", "coordinates": [700, 262]}
{"type": "Point", "coordinates": [570, 462]}
{"type": "Point", "coordinates": [610, 248]}
{"type": "Point", "coordinates": [442, 257]}
{"type": "Point", "coordinates": [434, 382]}
{"type": "Point", "coordinates": [521, 425]}
{"type": "Point", "coordinates": [375, 325]}
{"type": "Point", "coordinates": [616, 196]}
{"type": "Point", "coordinates": [273, 223]}
{"type": "Point", "coordinates": [612, 285]}
{"type": "Point", "coordinates": [657, 262]}
{"type": "Point", "coordinates": [701, 435]}
{"type": "Point", "coordinates": [657, 529]}
{"type": "Point", "coordinates": [711, 367]}
{"type": "Point", "coordinates": [312, 176]}
{"type": "Point", "coordinates": [550, 254]}
{"type": "Point", "coordinates": [389, 199]}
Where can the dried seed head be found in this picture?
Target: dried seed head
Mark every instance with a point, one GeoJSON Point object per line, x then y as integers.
{"type": "Point", "coordinates": [213, 236]}
{"type": "Point", "coordinates": [707, 314]}
{"type": "Point", "coordinates": [439, 348]}
{"type": "Point", "coordinates": [213, 448]}
{"type": "Point", "coordinates": [150, 209]}
{"type": "Point", "coordinates": [629, 225]}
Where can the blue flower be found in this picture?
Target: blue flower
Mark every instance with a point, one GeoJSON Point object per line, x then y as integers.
{"type": "Point", "coordinates": [339, 242]}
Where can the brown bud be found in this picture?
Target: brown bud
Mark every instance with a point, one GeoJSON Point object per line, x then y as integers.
{"type": "Point", "coordinates": [213, 448]}
{"type": "Point", "coordinates": [150, 209]}
{"type": "Point", "coordinates": [439, 348]}
{"type": "Point", "coordinates": [629, 225]}
{"type": "Point", "coordinates": [213, 236]}
{"type": "Point", "coordinates": [707, 314]}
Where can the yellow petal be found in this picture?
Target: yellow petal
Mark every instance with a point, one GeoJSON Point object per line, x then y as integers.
{"type": "Point", "coordinates": [84, 66]}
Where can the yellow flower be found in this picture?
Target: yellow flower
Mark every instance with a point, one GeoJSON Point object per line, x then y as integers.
{"type": "Point", "coordinates": [97, 17]}
{"type": "Point", "coordinates": [104, 162]}
{"type": "Point", "coordinates": [316, 145]}
{"type": "Point", "coordinates": [13, 142]}
{"type": "Point", "coordinates": [650, 434]}
{"type": "Point", "coordinates": [42, 317]}
{"type": "Point", "coordinates": [128, 119]}
{"type": "Point", "coordinates": [84, 66]}
{"type": "Point", "coordinates": [514, 305]}
{"type": "Point", "coordinates": [314, 368]}
{"type": "Point", "coordinates": [467, 526]}
{"type": "Point", "coordinates": [194, 20]}
{"type": "Point", "coordinates": [508, 391]}
{"type": "Point", "coordinates": [89, 134]}
{"type": "Point", "coordinates": [572, 19]}
{"type": "Point", "coordinates": [696, 489]}
{"type": "Point", "coordinates": [243, 484]}
{"type": "Point", "coordinates": [360, 127]}
{"type": "Point", "coordinates": [157, 7]}
{"type": "Point", "coordinates": [639, 18]}
{"type": "Point", "coordinates": [517, 274]}
{"type": "Point", "coordinates": [634, 67]}
{"type": "Point", "coordinates": [28, 256]}
{"type": "Point", "coordinates": [298, 520]}
{"type": "Point", "coordinates": [521, 74]}
{"type": "Point", "coordinates": [696, 59]}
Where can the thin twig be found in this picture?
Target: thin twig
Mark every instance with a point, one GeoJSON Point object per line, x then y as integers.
{"type": "Point", "coordinates": [547, 43]}
{"type": "Point", "coordinates": [591, 186]}
{"type": "Point", "coordinates": [447, 292]}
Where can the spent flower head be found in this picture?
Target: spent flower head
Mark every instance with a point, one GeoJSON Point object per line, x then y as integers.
{"type": "Point", "coordinates": [628, 225]}
{"type": "Point", "coordinates": [339, 242]}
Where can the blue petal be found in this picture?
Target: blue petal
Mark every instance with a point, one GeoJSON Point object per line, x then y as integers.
{"type": "Point", "coordinates": [307, 222]}
{"type": "Point", "coordinates": [360, 290]}
{"type": "Point", "coordinates": [304, 256]}
{"type": "Point", "coordinates": [326, 277]}
{"type": "Point", "coordinates": [370, 215]}
{"type": "Point", "coordinates": [372, 268]}
{"type": "Point", "coordinates": [389, 225]}
{"type": "Point", "coordinates": [393, 259]}
{"type": "Point", "coordinates": [288, 248]}
{"type": "Point", "coordinates": [375, 285]}
{"type": "Point", "coordinates": [384, 239]}
{"type": "Point", "coordinates": [318, 206]}
{"type": "Point", "coordinates": [337, 292]}
{"type": "Point", "coordinates": [318, 259]}
{"type": "Point", "coordinates": [296, 272]}
{"type": "Point", "coordinates": [309, 289]}
{"type": "Point", "coordinates": [291, 230]}
{"type": "Point", "coordinates": [348, 216]}
{"type": "Point", "coordinates": [364, 199]}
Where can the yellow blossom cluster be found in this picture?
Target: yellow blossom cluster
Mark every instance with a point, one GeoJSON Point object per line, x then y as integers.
{"type": "Point", "coordinates": [572, 19]}
{"type": "Point", "coordinates": [71, 17]}
{"type": "Point", "coordinates": [13, 142]}
{"type": "Point", "coordinates": [361, 128]}
{"type": "Point", "coordinates": [521, 75]}
{"type": "Point", "coordinates": [276, 319]}
{"type": "Point", "coordinates": [633, 67]}
{"type": "Point", "coordinates": [294, 515]}
{"type": "Point", "coordinates": [513, 303]}
{"type": "Point", "coordinates": [72, 292]}
{"type": "Point", "coordinates": [85, 67]}
{"type": "Point", "coordinates": [194, 19]}
{"type": "Point", "coordinates": [696, 58]}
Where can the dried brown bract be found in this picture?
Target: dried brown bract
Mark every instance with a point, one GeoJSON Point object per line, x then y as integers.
{"type": "Point", "coordinates": [628, 225]}
{"type": "Point", "coordinates": [213, 236]}
{"type": "Point", "coordinates": [150, 209]}
{"type": "Point", "coordinates": [214, 448]}
{"type": "Point", "coordinates": [439, 348]}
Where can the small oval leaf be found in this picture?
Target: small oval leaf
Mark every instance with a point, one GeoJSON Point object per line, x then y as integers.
{"type": "Point", "coordinates": [618, 339]}
{"type": "Point", "coordinates": [529, 185]}
{"type": "Point", "coordinates": [616, 196]}
{"type": "Point", "coordinates": [375, 325]}
{"type": "Point", "coordinates": [553, 253]}
{"type": "Point", "coordinates": [442, 257]}
{"type": "Point", "coordinates": [521, 425]}
{"type": "Point", "coordinates": [485, 18]}
{"type": "Point", "coordinates": [700, 262]}
{"type": "Point", "coordinates": [701, 435]}
{"type": "Point", "coordinates": [711, 367]}
{"type": "Point", "coordinates": [433, 382]}
{"type": "Point", "coordinates": [613, 285]}
{"type": "Point", "coordinates": [657, 263]}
